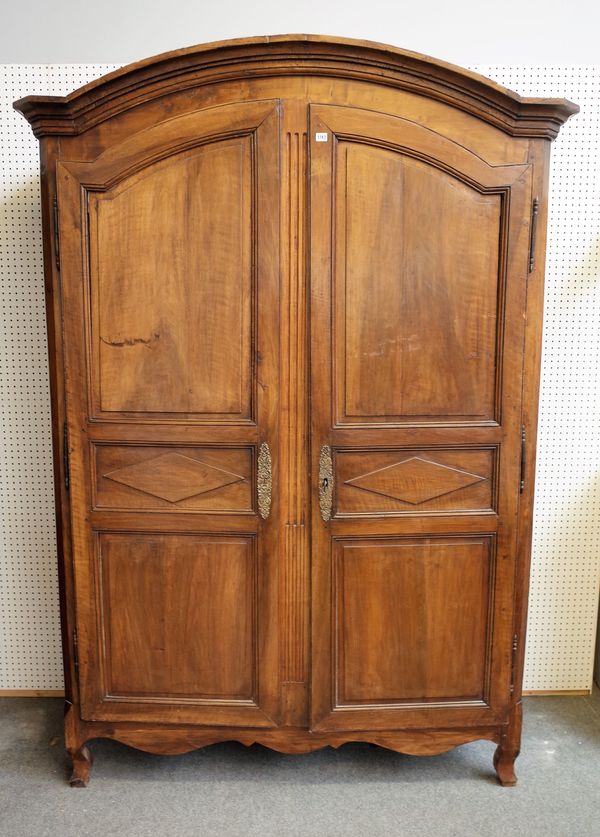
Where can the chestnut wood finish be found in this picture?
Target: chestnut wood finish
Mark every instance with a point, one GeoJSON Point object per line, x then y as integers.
{"type": "Point", "coordinates": [271, 262]}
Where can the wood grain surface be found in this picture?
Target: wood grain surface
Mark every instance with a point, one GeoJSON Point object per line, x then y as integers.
{"type": "Point", "coordinates": [299, 242]}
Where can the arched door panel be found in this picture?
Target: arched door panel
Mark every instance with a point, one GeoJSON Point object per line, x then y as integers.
{"type": "Point", "coordinates": [170, 296]}
{"type": "Point", "coordinates": [418, 269]}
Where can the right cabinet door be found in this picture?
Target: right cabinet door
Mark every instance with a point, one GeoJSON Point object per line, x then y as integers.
{"type": "Point", "coordinates": [419, 254]}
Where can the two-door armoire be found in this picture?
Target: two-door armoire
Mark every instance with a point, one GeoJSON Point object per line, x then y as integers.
{"type": "Point", "coordinates": [294, 293]}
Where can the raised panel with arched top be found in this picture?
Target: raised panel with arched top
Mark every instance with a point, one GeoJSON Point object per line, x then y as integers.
{"type": "Point", "coordinates": [417, 269]}
{"type": "Point", "coordinates": [171, 279]}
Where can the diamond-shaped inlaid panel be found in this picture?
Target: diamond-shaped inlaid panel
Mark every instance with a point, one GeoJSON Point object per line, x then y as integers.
{"type": "Point", "coordinates": [414, 480]}
{"type": "Point", "coordinates": [173, 477]}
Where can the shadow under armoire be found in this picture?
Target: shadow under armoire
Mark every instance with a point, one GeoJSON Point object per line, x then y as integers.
{"type": "Point", "coordinates": [294, 295]}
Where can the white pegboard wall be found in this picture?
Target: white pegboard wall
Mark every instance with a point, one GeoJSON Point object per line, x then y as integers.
{"type": "Point", "coordinates": [565, 569]}
{"type": "Point", "coordinates": [30, 650]}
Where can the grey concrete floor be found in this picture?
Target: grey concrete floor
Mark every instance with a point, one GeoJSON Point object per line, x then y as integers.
{"type": "Point", "coordinates": [230, 791]}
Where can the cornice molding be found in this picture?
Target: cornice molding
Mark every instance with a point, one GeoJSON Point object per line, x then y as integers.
{"type": "Point", "coordinates": [285, 55]}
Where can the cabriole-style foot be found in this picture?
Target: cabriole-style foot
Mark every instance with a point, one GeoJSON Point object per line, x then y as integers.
{"type": "Point", "coordinates": [509, 747]}
{"type": "Point", "coordinates": [504, 763]}
{"type": "Point", "coordinates": [82, 764]}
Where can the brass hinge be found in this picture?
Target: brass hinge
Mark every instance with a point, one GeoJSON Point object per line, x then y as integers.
{"type": "Point", "coordinates": [523, 462]}
{"type": "Point", "coordinates": [535, 210]}
{"type": "Point", "coordinates": [66, 455]}
{"type": "Point", "coordinates": [75, 652]}
{"type": "Point", "coordinates": [515, 645]}
{"type": "Point", "coordinates": [56, 233]}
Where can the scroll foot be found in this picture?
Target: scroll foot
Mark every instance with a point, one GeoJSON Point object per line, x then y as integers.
{"type": "Point", "coordinates": [509, 747]}
{"type": "Point", "coordinates": [82, 764]}
{"type": "Point", "coordinates": [504, 763]}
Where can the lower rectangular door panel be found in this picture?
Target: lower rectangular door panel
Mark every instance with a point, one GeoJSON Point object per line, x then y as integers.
{"type": "Point", "coordinates": [412, 621]}
{"type": "Point", "coordinates": [179, 617]}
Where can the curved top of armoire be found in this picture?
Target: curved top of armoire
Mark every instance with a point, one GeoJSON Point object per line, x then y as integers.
{"type": "Point", "coordinates": [284, 55]}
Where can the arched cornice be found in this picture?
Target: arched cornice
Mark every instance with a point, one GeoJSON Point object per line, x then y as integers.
{"type": "Point", "coordinates": [285, 55]}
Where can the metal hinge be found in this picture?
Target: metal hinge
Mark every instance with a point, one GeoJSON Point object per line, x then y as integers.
{"type": "Point", "coordinates": [66, 455]}
{"type": "Point", "coordinates": [56, 233]}
{"type": "Point", "coordinates": [535, 209]}
{"type": "Point", "coordinates": [523, 462]}
{"type": "Point", "coordinates": [75, 652]}
{"type": "Point", "coordinates": [515, 645]}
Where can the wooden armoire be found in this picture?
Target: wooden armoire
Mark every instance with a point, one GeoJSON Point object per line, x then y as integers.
{"type": "Point", "coordinates": [294, 294]}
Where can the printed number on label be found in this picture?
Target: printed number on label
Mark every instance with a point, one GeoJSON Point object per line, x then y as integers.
{"type": "Point", "coordinates": [321, 137]}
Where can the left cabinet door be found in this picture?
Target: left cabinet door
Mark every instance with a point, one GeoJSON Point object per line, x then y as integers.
{"type": "Point", "coordinates": [170, 293]}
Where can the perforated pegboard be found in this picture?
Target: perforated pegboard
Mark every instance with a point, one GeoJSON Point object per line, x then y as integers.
{"type": "Point", "coordinates": [566, 567]}
{"type": "Point", "coordinates": [566, 535]}
{"type": "Point", "coordinates": [30, 652]}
